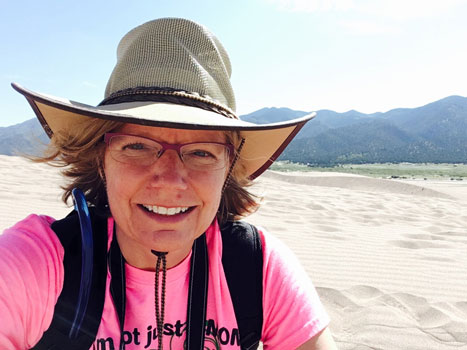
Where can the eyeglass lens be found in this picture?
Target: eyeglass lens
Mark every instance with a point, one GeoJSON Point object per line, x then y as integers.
{"type": "Point", "coordinates": [137, 150]}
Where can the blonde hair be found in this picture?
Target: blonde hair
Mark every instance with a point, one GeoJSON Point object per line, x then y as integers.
{"type": "Point", "coordinates": [236, 202]}
{"type": "Point", "coordinates": [82, 156]}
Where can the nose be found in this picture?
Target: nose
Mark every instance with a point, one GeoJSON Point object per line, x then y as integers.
{"type": "Point", "coordinates": [169, 172]}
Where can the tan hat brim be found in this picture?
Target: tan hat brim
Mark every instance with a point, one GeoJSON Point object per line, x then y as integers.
{"type": "Point", "coordinates": [263, 142]}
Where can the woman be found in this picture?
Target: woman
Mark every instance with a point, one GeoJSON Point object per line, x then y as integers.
{"type": "Point", "coordinates": [163, 163]}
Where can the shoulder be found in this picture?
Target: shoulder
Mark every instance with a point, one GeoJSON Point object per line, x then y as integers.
{"type": "Point", "coordinates": [31, 221]}
{"type": "Point", "coordinates": [31, 242]}
{"type": "Point", "coordinates": [33, 230]}
{"type": "Point", "coordinates": [281, 266]}
{"type": "Point", "coordinates": [277, 252]}
{"type": "Point", "coordinates": [288, 296]}
{"type": "Point", "coordinates": [31, 252]}
{"type": "Point", "coordinates": [31, 280]}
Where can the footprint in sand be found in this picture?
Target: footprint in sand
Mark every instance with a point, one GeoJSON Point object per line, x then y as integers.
{"type": "Point", "coordinates": [425, 237]}
{"type": "Point", "coordinates": [434, 228]}
{"type": "Point", "coordinates": [327, 228]}
{"type": "Point", "coordinates": [333, 237]}
{"type": "Point", "coordinates": [335, 297]}
{"type": "Point", "coordinates": [417, 245]}
{"type": "Point", "coordinates": [365, 292]}
{"type": "Point", "coordinates": [313, 206]}
{"type": "Point", "coordinates": [377, 207]}
{"type": "Point", "coordinates": [436, 258]}
{"type": "Point", "coordinates": [454, 234]}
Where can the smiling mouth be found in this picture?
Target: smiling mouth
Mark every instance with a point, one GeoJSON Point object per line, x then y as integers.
{"type": "Point", "coordinates": [165, 210]}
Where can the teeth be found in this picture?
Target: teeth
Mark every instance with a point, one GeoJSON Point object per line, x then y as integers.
{"type": "Point", "coordinates": [164, 210]}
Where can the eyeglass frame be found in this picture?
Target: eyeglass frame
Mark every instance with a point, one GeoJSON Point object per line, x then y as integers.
{"type": "Point", "coordinates": [168, 146]}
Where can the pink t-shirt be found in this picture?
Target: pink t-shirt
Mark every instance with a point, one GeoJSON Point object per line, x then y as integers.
{"type": "Point", "coordinates": [31, 279]}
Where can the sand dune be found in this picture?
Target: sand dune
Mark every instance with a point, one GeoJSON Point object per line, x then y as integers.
{"type": "Point", "coordinates": [388, 258]}
{"type": "Point", "coordinates": [27, 188]}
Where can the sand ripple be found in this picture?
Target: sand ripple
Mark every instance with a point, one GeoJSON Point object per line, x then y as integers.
{"type": "Point", "coordinates": [389, 258]}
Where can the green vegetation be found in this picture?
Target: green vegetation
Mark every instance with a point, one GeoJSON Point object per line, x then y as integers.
{"type": "Point", "coordinates": [386, 170]}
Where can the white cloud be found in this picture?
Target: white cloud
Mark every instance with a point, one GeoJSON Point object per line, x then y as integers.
{"type": "Point", "coordinates": [406, 9]}
{"type": "Point", "coordinates": [312, 5]}
{"type": "Point", "coordinates": [392, 9]}
{"type": "Point", "coordinates": [368, 27]}
{"type": "Point", "coordinates": [88, 84]}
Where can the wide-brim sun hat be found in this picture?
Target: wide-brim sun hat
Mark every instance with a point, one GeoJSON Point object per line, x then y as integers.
{"type": "Point", "coordinates": [173, 73]}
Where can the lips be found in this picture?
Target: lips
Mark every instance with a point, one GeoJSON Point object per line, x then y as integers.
{"type": "Point", "coordinates": [166, 211]}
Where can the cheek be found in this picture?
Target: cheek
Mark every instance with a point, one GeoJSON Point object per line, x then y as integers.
{"type": "Point", "coordinates": [117, 184]}
{"type": "Point", "coordinates": [210, 190]}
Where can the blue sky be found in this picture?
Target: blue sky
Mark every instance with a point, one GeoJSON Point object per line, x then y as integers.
{"type": "Point", "coordinates": [367, 55]}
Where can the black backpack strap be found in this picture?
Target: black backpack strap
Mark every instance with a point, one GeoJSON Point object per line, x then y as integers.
{"type": "Point", "coordinates": [197, 295]}
{"type": "Point", "coordinates": [242, 258]}
{"type": "Point", "coordinates": [69, 233]}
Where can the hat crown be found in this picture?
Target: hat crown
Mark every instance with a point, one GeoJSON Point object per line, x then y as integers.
{"type": "Point", "coordinates": [173, 53]}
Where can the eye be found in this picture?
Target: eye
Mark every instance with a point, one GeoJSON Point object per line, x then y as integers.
{"type": "Point", "coordinates": [201, 154]}
{"type": "Point", "coordinates": [134, 147]}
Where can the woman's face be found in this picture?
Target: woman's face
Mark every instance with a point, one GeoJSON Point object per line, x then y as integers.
{"type": "Point", "coordinates": [135, 190]}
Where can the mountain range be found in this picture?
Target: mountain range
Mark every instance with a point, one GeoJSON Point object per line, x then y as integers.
{"type": "Point", "coordinates": [25, 138]}
{"type": "Point", "coordinates": [436, 132]}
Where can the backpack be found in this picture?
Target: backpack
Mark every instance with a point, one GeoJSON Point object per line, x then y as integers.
{"type": "Point", "coordinates": [242, 262]}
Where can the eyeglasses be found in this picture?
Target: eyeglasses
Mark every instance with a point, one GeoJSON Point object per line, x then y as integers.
{"type": "Point", "coordinates": [143, 151]}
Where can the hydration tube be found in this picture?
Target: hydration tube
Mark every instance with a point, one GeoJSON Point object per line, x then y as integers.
{"type": "Point", "coordinates": [87, 259]}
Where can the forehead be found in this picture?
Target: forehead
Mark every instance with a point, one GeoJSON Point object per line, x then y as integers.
{"type": "Point", "coordinates": [173, 135]}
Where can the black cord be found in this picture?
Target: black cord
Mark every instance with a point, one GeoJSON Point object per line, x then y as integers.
{"type": "Point", "coordinates": [160, 301]}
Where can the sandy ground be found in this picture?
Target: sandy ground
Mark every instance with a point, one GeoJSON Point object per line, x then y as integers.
{"type": "Point", "coordinates": [388, 258]}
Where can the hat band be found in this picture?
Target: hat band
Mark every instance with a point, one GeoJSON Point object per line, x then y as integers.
{"type": "Point", "coordinates": [168, 95]}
